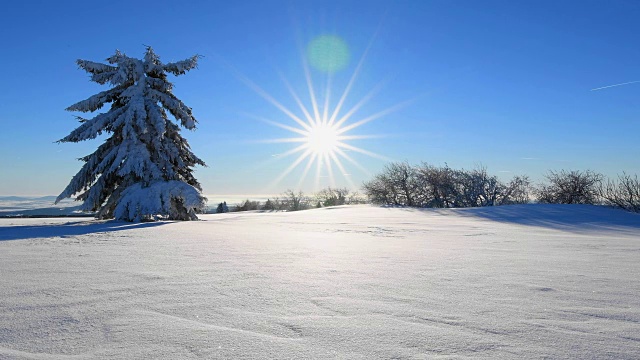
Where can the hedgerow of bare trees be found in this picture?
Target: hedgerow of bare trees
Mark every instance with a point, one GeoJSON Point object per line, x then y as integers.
{"type": "Point", "coordinates": [426, 185]}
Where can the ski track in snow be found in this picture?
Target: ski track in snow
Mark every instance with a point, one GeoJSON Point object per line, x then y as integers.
{"type": "Point", "coordinates": [361, 282]}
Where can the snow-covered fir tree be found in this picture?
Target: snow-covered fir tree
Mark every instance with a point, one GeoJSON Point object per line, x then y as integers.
{"type": "Point", "coordinates": [143, 171]}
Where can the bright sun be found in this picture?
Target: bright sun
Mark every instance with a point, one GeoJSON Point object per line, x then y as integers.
{"type": "Point", "coordinates": [322, 139]}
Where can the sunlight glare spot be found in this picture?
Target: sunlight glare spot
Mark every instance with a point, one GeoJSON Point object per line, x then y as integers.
{"type": "Point", "coordinates": [322, 139]}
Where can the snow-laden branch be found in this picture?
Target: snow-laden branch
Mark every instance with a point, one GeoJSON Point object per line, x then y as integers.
{"type": "Point", "coordinates": [90, 129]}
{"type": "Point", "coordinates": [181, 67]}
{"type": "Point", "coordinates": [95, 67]}
{"type": "Point", "coordinates": [179, 110]}
{"type": "Point", "coordinates": [96, 101]}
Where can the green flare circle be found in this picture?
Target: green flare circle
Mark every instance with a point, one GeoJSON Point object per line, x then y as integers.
{"type": "Point", "coordinates": [328, 53]}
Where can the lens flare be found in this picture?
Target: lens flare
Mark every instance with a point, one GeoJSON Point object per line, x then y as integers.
{"type": "Point", "coordinates": [328, 53]}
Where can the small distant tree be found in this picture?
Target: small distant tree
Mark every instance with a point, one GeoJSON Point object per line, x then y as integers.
{"type": "Point", "coordinates": [144, 169]}
{"type": "Point", "coordinates": [222, 208]}
{"type": "Point", "coordinates": [356, 198]}
{"type": "Point", "coordinates": [570, 187]}
{"type": "Point", "coordinates": [247, 205]}
{"type": "Point", "coordinates": [332, 196]}
{"type": "Point", "coordinates": [268, 205]}
{"type": "Point", "coordinates": [279, 204]}
{"type": "Point", "coordinates": [295, 201]}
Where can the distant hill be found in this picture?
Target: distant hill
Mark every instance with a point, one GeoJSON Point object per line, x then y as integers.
{"type": "Point", "coordinates": [51, 198]}
{"type": "Point", "coordinates": [41, 206]}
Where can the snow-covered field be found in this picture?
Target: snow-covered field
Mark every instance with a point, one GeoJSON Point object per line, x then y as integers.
{"type": "Point", "coordinates": [531, 281]}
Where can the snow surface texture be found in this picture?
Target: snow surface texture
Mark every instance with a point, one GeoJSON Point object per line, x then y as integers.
{"type": "Point", "coordinates": [522, 281]}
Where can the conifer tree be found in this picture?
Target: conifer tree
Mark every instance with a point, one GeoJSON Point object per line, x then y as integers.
{"type": "Point", "coordinates": [143, 171]}
{"type": "Point", "coordinates": [219, 208]}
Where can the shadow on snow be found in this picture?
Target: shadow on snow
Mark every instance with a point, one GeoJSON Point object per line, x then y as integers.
{"type": "Point", "coordinates": [574, 218]}
{"type": "Point", "coordinates": [75, 228]}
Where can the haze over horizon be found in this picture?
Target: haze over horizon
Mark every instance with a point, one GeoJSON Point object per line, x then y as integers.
{"type": "Point", "coordinates": [519, 87]}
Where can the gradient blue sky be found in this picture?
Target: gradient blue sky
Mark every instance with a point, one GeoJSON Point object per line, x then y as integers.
{"type": "Point", "coordinates": [503, 83]}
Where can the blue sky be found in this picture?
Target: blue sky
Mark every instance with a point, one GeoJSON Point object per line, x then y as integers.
{"type": "Point", "coordinates": [506, 84]}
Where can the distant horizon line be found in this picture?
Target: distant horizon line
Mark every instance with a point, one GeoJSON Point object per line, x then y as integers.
{"type": "Point", "coordinates": [206, 195]}
{"type": "Point", "coordinates": [211, 198]}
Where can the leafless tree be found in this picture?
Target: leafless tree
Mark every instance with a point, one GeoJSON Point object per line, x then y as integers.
{"type": "Point", "coordinates": [396, 185]}
{"type": "Point", "coordinates": [437, 186]}
{"type": "Point", "coordinates": [295, 201]}
{"type": "Point", "coordinates": [517, 191]}
{"type": "Point", "coordinates": [332, 196]}
{"type": "Point", "coordinates": [570, 187]}
{"type": "Point", "coordinates": [380, 190]}
{"type": "Point", "coordinates": [478, 188]}
{"type": "Point", "coordinates": [623, 193]}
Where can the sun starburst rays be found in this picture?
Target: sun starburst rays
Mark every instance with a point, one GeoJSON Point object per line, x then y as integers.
{"type": "Point", "coordinates": [322, 130]}
{"type": "Point", "coordinates": [323, 140]}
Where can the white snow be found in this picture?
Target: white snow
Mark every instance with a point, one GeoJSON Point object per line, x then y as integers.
{"type": "Point", "coordinates": [513, 282]}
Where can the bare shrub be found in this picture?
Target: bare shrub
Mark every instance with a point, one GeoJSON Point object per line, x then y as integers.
{"type": "Point", "coordinates": [378, 190]}
{"type": "Point", "coordinates": [332, 196]}
{"type": "Point", "coordinates": [623, 193]}
{"type": "Point", "coordinates": [518, 191]}
{"type": "Point", "coordinates": [570, 187]}
{"type": "Point", "coordinates": [403, 182]}
{"type": "Point", "coordinates": [247, 205]}
{"type": "Point", "coordinates": [437, 186]}
{"type": "Point", "coordinates": [269, 205]}
{"type": "Point", "coordinates": [396, 185]}
{"type": "Point", "coordinates": [478, 188]}
{"type": "Point", "coordinates": [293, 201]}
{"type": "Point", "coordinates": [356, 198]}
